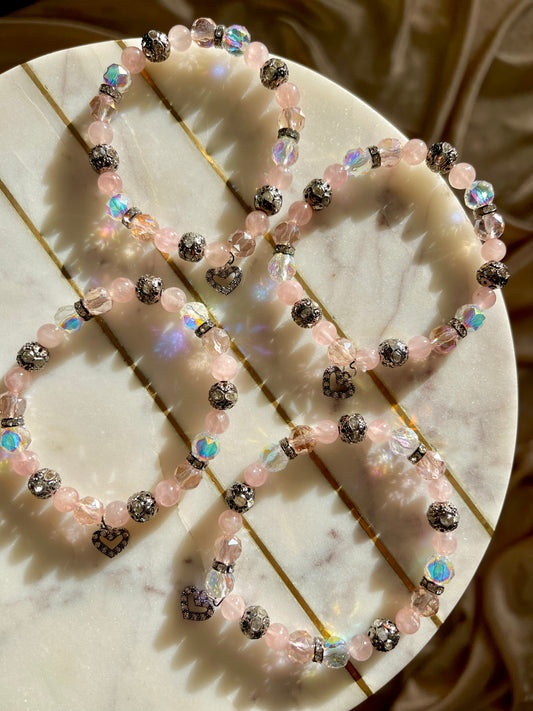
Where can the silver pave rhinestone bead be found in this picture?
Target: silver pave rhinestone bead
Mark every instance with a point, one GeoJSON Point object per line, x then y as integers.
{"type": "Point", "coordinates": [240, 497]}
{"type": "Point", "coordinates": [384, 635]}
{"type": "Point", "coordinates": [149, 288]}
{"type": "Point", "coordinates": [223, 395]}
{"type": "Point", "coordinates": [393, 353]}
{"type": "Point", "coordinates": [441, 157]}
{"type": "Point", "coordinates": [495, 275]}
{"type": "Point", "coordinates": [44, 483]}
{"type": "Point", "coordinates": [352, 428]}
{"type": "Point", "coordinates": [103, 157]}
{"type": "Point", "coordinates": [191, 247]}
{"type": "Point", "coordinates": [155, 46]}
{"type": "Point", "coordinates": [142, 506]}
{"type": "Point", "coordinates": [254, 622]}
{"type": "Point", "coordinates": [32, 356]}
{"type": "Point", "coordinates": [318, 194]}
{"type": "Point", "coordinates": [268, 199]}
{"type": "Point", "coordinates": [273, 73]}
{"type": "Point", "coordinates": [306, 313]}
{"type": "Point", "coordinates": [443, 516]}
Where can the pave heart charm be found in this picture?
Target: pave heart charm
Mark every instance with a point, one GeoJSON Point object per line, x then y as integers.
{"type": "Point", "coordinates": [224, 279]}
{"type": "Point", "coordinates": [196, 605]}
{"type": "Point", "coordinates": [337, 383]}
{"type": "Point", "coordinates": [110, 541]}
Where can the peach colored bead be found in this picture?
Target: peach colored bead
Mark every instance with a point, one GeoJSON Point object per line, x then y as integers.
{"type": "Point", "coordinates": [24, 463]}
{"type": "Point", "coordinates": [444, 543]}
{"type": "Point", "coordinates": [100, 132]}
{"type": "Point", "coordinates": [88, 511]}
{"type": "Point", "coordinates": [493, 250]}
{"type": "Point", "coordinates": [230, 522]}
{"type": "Point", "coordinates": [379, 431]}
{"type": "Point", "coordinates": [65, 499]}
{"type": "Point", "coordinates": [324, 333]}
{"type": "Point", "coordinates": [462, 175]}
{"type": "Point", "coordinates": [216, 341]}
{"type": "Point", "coordinates": [167, 492]}
{"type": "Point", "coordinates": [216, 421]}
{"type": "Point", "coordinates": [300, 212]}
{"type": "Point", "coordinates": [341, 351]}
{"type": "Point", "coordinates": [50, 335]}
{"type": "Point", "coordinates": [122, 290]}
{"type": "Point", "coordinates": [133, 59]}
{"type": "Point", "coordinates": [367, 359]}
{"type": "Point", "coordinates": [256, 223]}
{"type": "Point", "coordinates": [166, 240]}
{"type": "Point", "coordinates": [217, 254]}
{"type": "Point", "coordinates": [173, 299]}
{"type": "Point", "coordinates": [407, 620]}
{"type": "Point", "coordinates": [109, 183]}
{"type": "Point", "coordinates": [414, 151]}
{"type": "Point", "coordinates": [224, 367]}
{"type": "Point", "coordinates": [277, 636]}
{"type": "Point", "coordinates": [280, 176]}
{"type": "Point", "coordinates": [17, 380]}
{"type": "Point", "coordinates": [232, 607]}
{"type": "Point", "coordinates": [419, 347]}
{"type": "Point", "coordinates": [116, 514]}
{"type": "Point", "coordinates": [440, 489]}
{"type": "Point", "coordinates": [326, 431]}
{"type": "Point", "coordinates": [484, 297]}
{"type": "Point", "coordinates": [290, 291]}
{"type": "Point", "coordinates": [335, 175]}
{"type": "Point", "coordinates": [180, 38]}
{"type": "Point", "coordinates": [288, 95]}
{"type": "Point", "coordinates": [360, 647]}
{"type": "Point", "coordinates": [255, 55]}
{"type": "Point", "coordinates": [255, 474]}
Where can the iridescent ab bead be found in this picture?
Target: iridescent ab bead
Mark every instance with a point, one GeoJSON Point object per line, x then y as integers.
{"type": "Point", "coordinates": [193, 314]}
{"type": "Point", "coordinates": [68, 319]}
{"type": "Point", "coordinates": [218, 585]}
{"type": "Point", "coordinates": [14, 439]}
{"type": "Point", "coordinates": [117, 76]}
{"type": "Point", "coordinates": [439, 570]}
{"type": "Point", "coordinates": [480, 193]}
{"type": "Point", "coordinates": [403, 441]}
{"type": "Point", "coordinates": [236, 38]}
{"type": "Point", "coordinates": [358, 161]}
{"type": "Point", "coordinates": [205, 446]}
{"type": "Point", "coordinates": [281, 267]}
{"type": "Point", "coordinates": [471, 316]}
{"type": "Point", "coordinates": [336, 653]}
{"type": "Point", "coordinates": [285, 151]}
{"type": "Point", "coordinates": [273, 458]}
{"type": "Point", "coordinates": [117, 207]}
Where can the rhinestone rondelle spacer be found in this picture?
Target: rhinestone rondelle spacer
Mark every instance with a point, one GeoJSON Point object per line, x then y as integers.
{"type": "Point", "coordinates": [431, 587]}
{"type": "Point", "coordinates": [375, 155]}
{"type": "Point", "coordinates": [458, 327]}
{"type": "Point", "coordinates": [286, 447]}
{"type": "Point", "coordinates": [218, 36]}
{"type": "Point", "coordinates": [222, 567]}
{"type": "Point", "coordinates": [12, 422]}
{"type": "Point", "coordinates": [204, 328]}
{"type": "Point", "coordinates": [485, 210]}
{"type": "Point", "coordinates": [111, 91]}
{"type": "Point", "coordinates": [289, 133]}
{"type": "Point", "coordinates": [128, 216]}
{"type": "Point", "coordinates": [318, 653]}
{"type": "Point", "coordinates": [285, 249]}
{"type": "Point", "coordinates": [417, 455]}
{"type": "Point", "coordinates": [195, 462]}
{"type": "Point", "coordinates": [82, 311]}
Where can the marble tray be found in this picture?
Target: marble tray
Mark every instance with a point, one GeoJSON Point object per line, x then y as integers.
{"type": "Point", "coordinates": [337, 539]}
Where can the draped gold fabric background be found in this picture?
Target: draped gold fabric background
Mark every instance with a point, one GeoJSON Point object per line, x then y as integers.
{"type": "Point", "coordinates": [459, 70]}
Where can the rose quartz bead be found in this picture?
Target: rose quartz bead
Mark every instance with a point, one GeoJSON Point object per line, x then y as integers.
{"type": "Point", "coordinates": [224, 367]}
{"type": "Point", "coordinates": [166, 240]}
{"type": "Point", "coordinates": [255, 55]}
{"type": "Point", "coordinates": [230, 522]}
{"type": "Point", "coordinates": [335, 175]}
{"type": "Point", "coordinates": [180, 38]}
{"type": "Point", "coordinates": [173, 299]}
{"type": "Point", "coordinates": [407, 620]}
{"type": "Point", "coordinates": [280, 176]}
{"type": "Point", "coordinates": [133, 59]}
{"type": "Point", "coordinates": [440, 489]}
{"type": "Point", "coordinates": [167, 492]}
{"type": "Point", "coordinates": [360, 647]}
{"type": "Point", "coordinates": [109, 183]}
{"type": "Point", "coordinates": [414, 152]}
{"type": "Point", "coordinates": [493, 250]}
{"type": "Point", "coordinates": [484, 297]}
{"type": "Point", "coordinates": [288, 95]}
{"type": "Point", "coordinates": [444, 543]}
{"type": "Point", "coordinates": [390, 151]}
{"type": "Point", "coordinates": [65, 499]}
{"type": "Point", "coordinates": [300, 212]}
{"type": "Point", "coordinates": [301, 647]}
{"type": "Point", "coordinates": [256, 223]}
{"type": "Point", "coordinates": [100, 132]}
{"type": "Point", "coordinates": [216, 341]}
{"type": "Point", "coordinates": [187, 476]}
{"type": "Point", "coordinates": [88, 511]}
{"type": "Point", "coordinates": [232, 607]}
{"type": "Point", "coordinates": [116, 514]}
{"type": "Point", "coordinates": [17, 380]}
{"type": "Point", "coordinates": [341, 351]}
{"type": "Point", "coordinates": [25, 463]}
{"type": "Point", "coordinates": [289, 292]}
{"type": "Point", "coordinates": [462, 175]}
{"type": "Point", "coordinates": [326, 431]}
{"type": "Point", "coordinates": [431, 466]}
{"type": "Point", "coordinates": [367, 359]}
{"type": "Point", "coordinates": [50, 335]}
{"type": "Point", "coordinates": [241, 244]}
{"type": "Point", "coordinates": [216, 421]}
{"type": "Point", "coordinates": [419, 347]}
{"type": "Point", "coordinates": [217, 254]}
{"type": "Point", "coordinates": [122, 290]}
{"type": "Point", "coordinates": [379, 431]}
{"type": "Point", "coordinates": [324, 333]}
{"type": "Point", "coordinates": [277, 636]}
{"type": "Point", "coordinates": [286, 232]}
{"type": "Point", "coordinates": [255, 474]}
{"type": "Point", "coordinates": [228, 549]}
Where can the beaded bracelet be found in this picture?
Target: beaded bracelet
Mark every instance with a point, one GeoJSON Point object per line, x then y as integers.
{"type": "Point", "coordinates": [392, 352]}
{"type": "Point", "coordinates": [111, 537]}
{"type": "Point", "coordinates": [224, 276]}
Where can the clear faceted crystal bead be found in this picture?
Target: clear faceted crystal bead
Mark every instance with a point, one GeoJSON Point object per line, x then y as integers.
{"type": "Point", "coordinates": [431, 467]}
{"type": "Point", "coordinates": [68, 319]}
{"type": "Point", "coordinates": [193, 314]}
{"type": "Point", "coordinates": [489, 226]}
{"type": "Point", "coordinates": [285, 151]}
{"type": "Point", "coordinates": [12, 405]}
{"type": "Point", "coordinates": [216, 341]}
{"type": "Point", "coordinates": [390, 151]}
{"type": "Point", "coordinates": [403, 441]}
{"type": "Point", "coordinates": [358, 161]}
{"type": "Point", "coordinates": [301, 647]}
{"type": "Point", "coordinates": [293, 118]}
{"type": "Point", "coordinates": [444, 338]}
{"type": "Point", "coordinates": [303, 439]}
{"type": "Point", "coordinates": [203, 32]}
{"type": "Point", "coordinates": [424, 602]}
{"type": "Point", "coordinates": [97, 301]}
{"type": "Point", "coordinates": [273, 458]}
{"type": "Point", "coordinates": [281, 267]}
{"type": "Point", "coordinates": [143, 227]}
{"type": "Point", "coordinates": [218, 584]}
{"type": "Point", "coordinates": [336, 653]}
{"type": "Point", "coordinates": [103, 107]}
{"type": "Point", "coordinates": [187, 476]}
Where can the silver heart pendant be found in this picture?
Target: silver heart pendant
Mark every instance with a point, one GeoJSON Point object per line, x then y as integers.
{"type": "Point", "coordinates": [196, 605]}
{"type": "Point", "coordinates": [224, 279]}
{"type": "Point", "coordinates": [110, 541]}
{"type": "Point", "coordinates": [337, 383]}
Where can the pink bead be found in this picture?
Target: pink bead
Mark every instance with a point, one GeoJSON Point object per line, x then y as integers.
{"type": "Point", "coordinates": [17, 380]}
{"type": "Point", "coordinates": [88, 511]}
{"type": "Point", "coordinates": [379, 431]}
{"type": "Point", "coordinates": [462, 175]}
{"type": "Point", "coordinates": [217, 254]}
{"type": "Point", "coordinates": [431, 466]}
{"type": "Point", "coordinates": [122, 290]}
{"type": "Point", "coordinates": [290, 291]}
{"type": "Point", "coordinates": [493, 250]}
{"type": "Point", "coordinates": [256, 223]}
{"type": "Point", "coordinates": [217, 421]}
{"type": "Point", "coordinates": [228, 549]}
{"type": "Point", "coordinates": [65, 499]}
{"type": "Point", "coordinates": [414, 152]}
{"type": "Point", "coordinates": [367, 359]}
{"type": "Point", "coordinates": [440, 489]}
{"type": "Point", "coordinates": [255, 474]}
{"type": "Point", "coordinates": [335, 175]}
{"type": "Point", "coordinates": [277, 636]}
{"type": "Point", "coordinates": [324, 333]}
{"type": "Point", "coordinates": [407, 620]}
{"type": "Point", "coordinates": [166, 240]}
{"type": "Point", "coordinates": [100, 132]}
{"type": "Point", "coordinates": [109, 183]}
{"type": "Point", "coordinates": [300, 212]}
{"type": "Point", "coordinates": [232, 607]}
{"type": "Point", "coordinates": [301, 647]}
{"type": "Point", "coordinates": [326, 431]}
{"type": "Point", "coordinates": [116, 514]}
{"type": "Point", "coordinates": [25, 463]}
{"type": "Point", "coordinates": [230, 522]}
{"type": "Point", "coordinates": [173, 299]}
{"type": "Point", "coordinates": [360, 647]}
{"type": "Point", "coordinates": [484, 297]}
{"type": "Point", "coordinates": [255, 55]}
{"type": "Point", "coordinates": [288, 95]}
{"type": "Point", "coordinates": [419, 347]}
{"type": "Point", "coordinates": [180, 38]}
{"type": "Point", "coordinates": [341, 352]}
{"type": "Point", "coordinates": [167, 492]}
{"type": "Point", "coordinates": [280, 176]}
{"type": "Point", "coordinates": [224, 367]}
{"type": "Point", "coordinates": [444, 543]}
{"type": "Point", "coordinates": [50, 335]}
{"type": "Point", "coordinates": [133, 59]}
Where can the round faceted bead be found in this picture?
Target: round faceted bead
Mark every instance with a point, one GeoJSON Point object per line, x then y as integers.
{"type": "Point", "coordinates": [218, 584]}
{"type": "Point", "coordinates": [325, 334]}
{"type": "Point", "coordinates": [223, 395]}
{"type": "Point", "coordinates": [493, 250]}
{"type": "Point", "coordinates": [341, 351]}
{"type": "Point", "coordinates": [367, 359]}
{"type": "Point", "coordinates": [65, 499]}
{"type": "Point", "coordinates": [256, 223]}
{"type": "Point", "coordinates": [358, 161]}
{"type": "Point", "coordinates": [25, 463]}
{"type": "Point", "coordinates": [425, 603]}
{"type": "Point", "coordinates": [230, 522]}
{"type": "Point", "coordinates": [117, 207]}
{"type": "Point", "coordinates": [478, 194]}
{"type": "Point", "coordinates": [336, 175]}
{"type": "Point", "coordinates": [285, 151]}
{"type": "Point", "coordinates": [33, 356]}
{"type": "Point", "coordinates": [289, 292]}
{"type": "Point", "coordinates": [241, 243]}
{"type": "Point", "coordinates": [180, 38]}
{"type": "Point", "coordinates": [103, 108]}
{"type": "Point", "coordinates": [280, 177]}
{"type": "Point", "coordinates": [187, 476]}
{"type": "Point", "coordinates": [326, 431]}
{"type": "Point", "coordinates": [14, 439]}
{"type": "Point", "coordinates": [444, 338]}
{"type": "Point", "coordinates": [293, 118]}
{"type": "Point", "coordinates": [44, 483]}
{"type": "Point", "coordinates": [301, 647]}
{"type": "Point", "coordinates": [203, 32]}
{"type": "Point", "coordinates": [117, 76]}
{"type": "Point", "coordinates": [116, 514]}
{"type": "Point", "coordinates": [216, 421]}
{"type": "Point", "coordinates": [228, 549]}
{"type": "Point", "coordinates": [191, 247]}
{"type": "Point", "coordinates": [205, 446]}
{"type": "Point", "coordinates": [100, 132]}
{"type": "Point", "coordinates": [12, 405]}
{"type": "Point", "coordinates": [303, 439]}
{"type": "Point", "coordinates": [254, 622]}
{"type": "Point", "coordinates": [122, 290]}
{"type": "Point", "coordinates": [419, 347]}
{"type": "Point", "coordinates": [109, 183]}
{"type": "Point", "coordinates": [216, 341]}
{"type": "Point", "coordinates": [224, 367]}
{"type": "Point", "coordinates": [484, 297]}
{"type": "Point", "coordinates": [255, 474]}
{"type": "Point", "coordinates": [383, 635]}
{"type": "Point", "coordinates": [390, 151]}
{"type": "Point", "coordinates": [273, 458]}
{"type": "Point", "coordinates": [255, 55]}
{"type": "Point", "coordinates": [431, 466]}
{"type": "Point", "coordinates": [50, 336]}
{"type": "Point", "coordinates": [268, 199]}
{"type": "Point", "coordinates": [336, 653]}
{"type": "Point", "coordinates": [442, 516]}
{"type": "Point", "coordinates": [236, 39]}
{"type": "Point", "coordinates": [439, 570]}
{"type": "Point", "coordinates": [97, 301]}
{"type": "Point", "coordinates": [232, 607]}
{"type": "Point", "coordinates": [103, 158]}
{"type": "Point", "coordinates": [441, 157]}
{"type": "Point", "coordinates": [495, 275]}
{"type": "Point", "coordinates": [286, 232]}
{"type": "Point", "coordinates": [444, 543]}
{"type": "Point", "coordinates": [142, 506]}
{"type": "Point", "coordinates": [489, 226]}
{"type": "Point", "coordinates": [300, 212]}
{"type": "Point", "coordinates": [306, 313]}
{"type": "Point", "coordinates": [462, 175]}
{"type": "Point", "coordinates": [17, 379]}
{"type": "Point", "coordinates": [393, 353]}
{"type": "Point", "coordinates": [288, 95]}
{"type": "Point", "coordinates": [273, 73]}
{"type": "Point", "coordinates": [407, 620]}
{"type": "Point", "coordinates": [155, 46]}
{"type": "Point", "coordinates": [277, 636]}
{"type": "Point", "coordinates": [414, 152]}
{"type": "Point", "coordinates": [173, 299]}
{"type": "Point", "coordinates": [318, 194]}
{"type": "Point", "coordinates": [167, 492]}
{"type": "Point", "coordinates": [470, 316]}
{"type": "Point", "coordinates": [360, 648]}
{"type": "Point", "coordinates": [217, 254]}
{"type": "Point", "coordinates": [379, 431]}
{"type": "Point", "coordinates": [143, 227]}
{"type": "Point", "coordinates": [133, 60]}
{"type": "Point", "coordinates": [403, 441]}
{"type": "Point", "coordinates": [352, 428]}
{"type": "Point", "coordinates": [88, 511]}
{"type": "Point", "coordinates": [193, 314]}
{"type": "Point", "coordinates": [281, 267]}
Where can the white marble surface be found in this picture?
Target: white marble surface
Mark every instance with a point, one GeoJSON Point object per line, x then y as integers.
{"type": "Point", "coordinates": [393, 257]}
